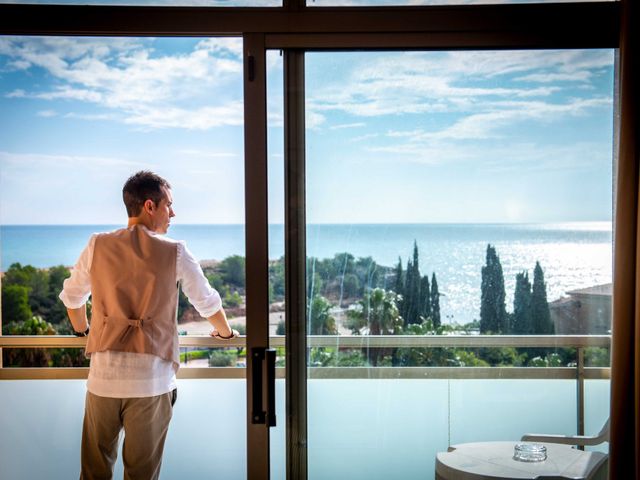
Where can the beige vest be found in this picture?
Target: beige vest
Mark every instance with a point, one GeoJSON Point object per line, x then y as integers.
{"type": "Point", "coordinates": [134, 294]}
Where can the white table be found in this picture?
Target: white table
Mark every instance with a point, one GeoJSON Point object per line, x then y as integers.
{"type": "Point", "coordinates": [494, 460]}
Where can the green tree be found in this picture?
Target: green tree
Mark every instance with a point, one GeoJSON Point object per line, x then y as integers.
{"type": "Point", "coordinates": [412, 302]}
{"type": "Point", "coordinates": [43, 287]}
{"type": "Point", "coordinates": [15, 305]}
{"type": "Point", "coordinates": [233, 270]}
{"type": "Point", "coordinates": [414, 309]}
{"type": "Point", "coordinates": [435, 302]}
{"type": "Point", "coordinates": [540, 315]}
{"type": "Point", "coordinates": [399, 278]}
{"type": "Point", "coordinates": [522, 305]}
{"type": "Point", "coordinates": [377, 314]}
{"type": "Point", "coordinates": [500, 357]}
{"type": "Point", "coordinates": [29, 357]}
{"type": "Point", "coordinates": [321, 322]}
{"type": "Point", "coordinates": [276, 277]}
{"type": "Point", "coordinates": [350, 285]}
{"type": "Point", "coordinates": [493, 313]}
{"type": "Point", "coordinates": [58, 312]}
{"type": "Point", "coordinates": [425, 297]}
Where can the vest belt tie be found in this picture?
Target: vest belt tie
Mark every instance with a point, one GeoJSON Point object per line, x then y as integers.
{"type": "Point", "coordinates": [133, 323]}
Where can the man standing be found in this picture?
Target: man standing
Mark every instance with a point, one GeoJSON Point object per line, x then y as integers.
{"type": "Point", "coordinates": [132, 275]}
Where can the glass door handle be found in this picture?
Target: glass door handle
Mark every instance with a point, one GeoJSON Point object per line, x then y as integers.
{"type": "Point", "coordinates": [271, 387]}
{"type": "Point", "coordinates": [263, 358]}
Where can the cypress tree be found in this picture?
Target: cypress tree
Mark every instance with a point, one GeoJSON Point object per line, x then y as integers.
{"type": "Point", "coordinates": [522, 305]}
{"type": "Point", "coordinates": [413, 312]}
{"type": "Point", "coordinates": [399, 286]}
{"type": "Point", "coordinates": [412, 300]}
{"type": "Point", "coordinates": [540, 316]}
{"type": "Point", "coordinates": [425, 297]}
{"type": "Point", "coordinates": [407, 299]}
{"type": "Point", "coordinates": [435, 302]}
{"type": "Point", "coordinates": [493, 313]}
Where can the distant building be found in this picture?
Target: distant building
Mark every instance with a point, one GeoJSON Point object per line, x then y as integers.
{"type": "Point", "coordinates": [586, 311]}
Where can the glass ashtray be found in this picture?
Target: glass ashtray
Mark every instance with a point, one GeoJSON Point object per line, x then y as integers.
{"type": "Point", "coordinates": [530, 452]}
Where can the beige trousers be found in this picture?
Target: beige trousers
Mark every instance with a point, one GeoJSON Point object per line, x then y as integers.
{"type": "Point", "coordinates": [145, 422]}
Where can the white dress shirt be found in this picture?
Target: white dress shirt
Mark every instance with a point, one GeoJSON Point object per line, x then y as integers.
{"type": "Point", "coordinates": [125, 374]}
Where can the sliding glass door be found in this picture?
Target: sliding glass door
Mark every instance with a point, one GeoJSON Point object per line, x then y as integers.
{"type": "Point", "coordinates": [452, 197]}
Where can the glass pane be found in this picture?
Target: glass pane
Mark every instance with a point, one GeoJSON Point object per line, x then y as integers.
{"type": "Point", "coordinates": [156, 3]}
{"type": "Point", "coordinates": [193, 435]}
{"type": "Point", "coordinates": [275, 153]}
{"type": "Point", "coordinates": [454, 194]}
{"type": "Point", "coordinates": [80, 115]}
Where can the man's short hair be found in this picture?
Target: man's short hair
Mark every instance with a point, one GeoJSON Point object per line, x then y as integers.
{"type": "Point", "coordinates": [140, 187]}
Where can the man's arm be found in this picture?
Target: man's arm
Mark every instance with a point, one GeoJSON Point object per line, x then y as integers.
{"type": "Point", "coordinates": [77, 288]}
{"type": "Point", "coordinates": [205, 299]}
{"type": "Point", "coordinates": [78, 317]}
{"type": "Point", "coordinates": [221, 325]}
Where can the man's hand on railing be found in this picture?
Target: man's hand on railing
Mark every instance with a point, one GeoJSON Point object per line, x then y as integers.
{"type": "Point", "coordinates": [233, 334]}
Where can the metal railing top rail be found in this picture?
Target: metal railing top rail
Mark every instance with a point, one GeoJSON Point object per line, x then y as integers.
{"type": "Point", "coordinates": [337, 373]}
{"type": "Point", "coordinates": [345, 341]}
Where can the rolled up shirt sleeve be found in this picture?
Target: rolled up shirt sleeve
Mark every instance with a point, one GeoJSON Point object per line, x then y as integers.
{"type": "Point", "coordinates": [77, 288]}
{"type": "Point", "coordinates": [195, 285]}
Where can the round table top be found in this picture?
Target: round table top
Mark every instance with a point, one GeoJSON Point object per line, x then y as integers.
{"type": "Point", "coordinates": [494, 460]}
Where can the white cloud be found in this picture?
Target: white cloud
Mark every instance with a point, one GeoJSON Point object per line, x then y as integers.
{"type": "Point", "coordinates": [433, 82]}
{"type": "Point", "coordinates": [487, 124]}
{"type": "Point", "coordinates": [467, 137]}
{"type": "Point", "coordinates": [313, 119]}
{"type": "Point", "coordinates": [18, 93]}
{"type": "Point", "coordinates": [47, 113]}
{"type": "Point", "coordinates": [69, 93]}
{"type": "Point", "coordinates": [92, 116]}
{"type": "Point", "coordinates": [192, 119]}
{"type": "Point", "coordinates": [127, 76]}
{"type": "Point", "coordinates": [347, 125]}
{"type": "Point", "coordinates": [366, 136]}
{"type": "Point", "coordinates": [581, 76]}
{"type": "Point", "coordinates": [227, 45]}
{"type": "Point", "coordinates": [205, 154]}
{"type": "Point", "coordinates": [33, 160]}
{"type": "Point", "coordinates": [18, 65]}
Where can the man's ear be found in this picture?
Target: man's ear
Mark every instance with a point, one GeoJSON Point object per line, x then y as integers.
{"type": "Point", "coordinates": [149, 206]}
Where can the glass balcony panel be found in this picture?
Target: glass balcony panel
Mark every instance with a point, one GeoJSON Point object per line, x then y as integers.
{"type": "Point", "coordinates": [375, 429]}
{"type": "Point", "coordinates": [495, 410]}
{"type": "Point", "coordinates": [44, 417]}
{"type": "Point", "coordinates": [597, 406]}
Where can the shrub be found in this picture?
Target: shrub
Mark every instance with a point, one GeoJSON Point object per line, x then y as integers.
{"type": "Point", "coordinates": [222, 358]}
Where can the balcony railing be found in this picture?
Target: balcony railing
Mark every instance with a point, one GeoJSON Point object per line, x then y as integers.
{"type": "Point", "coordinates": [424, 397]}
{"type": "Point", "coordinates": [579, 342]}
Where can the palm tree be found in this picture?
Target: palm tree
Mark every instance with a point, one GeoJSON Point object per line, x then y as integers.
{"type": "Point", "coordinates": [377, 314]}
{"type": "Point", "coordinates": [321, 322]}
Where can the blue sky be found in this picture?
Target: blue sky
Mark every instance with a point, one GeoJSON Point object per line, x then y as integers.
{"type": "Point", "coordinates": [503, 136]}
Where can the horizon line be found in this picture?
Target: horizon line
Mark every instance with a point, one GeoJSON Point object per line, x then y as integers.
{"type": "Point", "coordinates": [554, 222]}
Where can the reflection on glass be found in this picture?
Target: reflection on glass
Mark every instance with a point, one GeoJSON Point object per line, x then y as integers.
{"type": "Point", "coordinates": [455, 193]}
{"type": "Point", "coordinates": [473, 186]}
{"type": "Point", "coordinates": [79, 115]}
{"type": "Point", "coordinates": [275, 156]}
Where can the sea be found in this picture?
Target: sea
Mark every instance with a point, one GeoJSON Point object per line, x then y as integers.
{"type": "Point", "coordinates": [573, 255]}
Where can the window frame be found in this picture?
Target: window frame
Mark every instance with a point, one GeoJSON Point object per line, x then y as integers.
{"type": "Point", "coordinates": [296, 28]}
